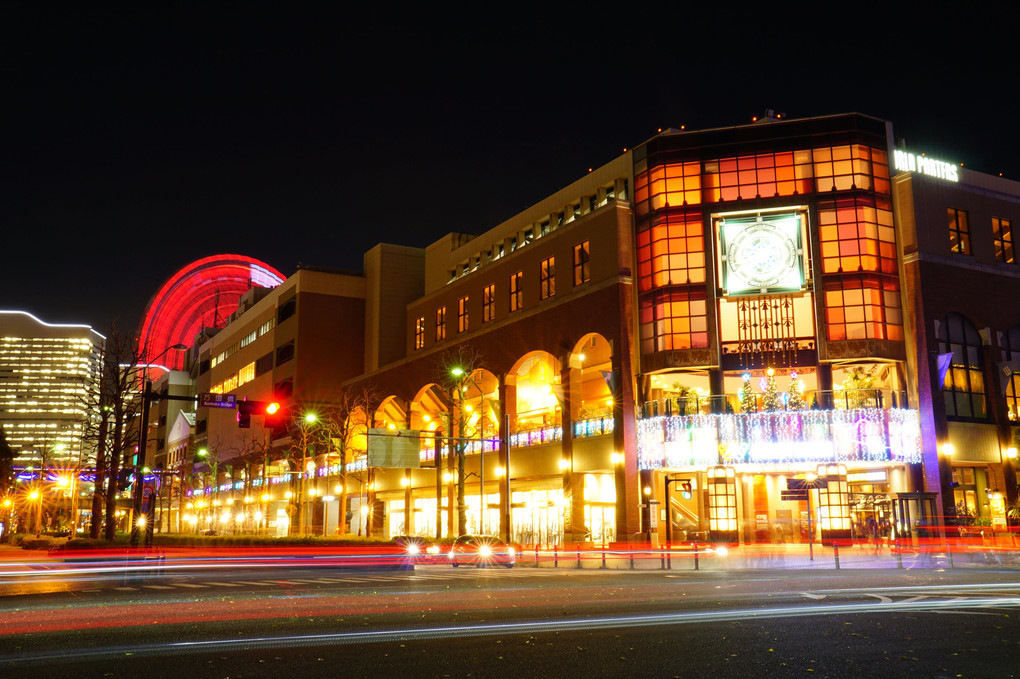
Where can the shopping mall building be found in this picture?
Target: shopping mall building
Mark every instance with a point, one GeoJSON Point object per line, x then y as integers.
{"type": "Point", "coordinates": [675, 344]}
{"type": "Point", "coordinates": [710, 336]}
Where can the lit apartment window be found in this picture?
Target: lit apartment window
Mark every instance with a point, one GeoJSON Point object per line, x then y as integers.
{"type": "Point", "coordinates": [1002, 233]}
{"type": "Point", "coordinates": [489, 303]}
{"type": "Point", "coordinates": [517, 291]}
{"type": "Point", "coordinates": [441, 324]}
{"type": "Point", "coordinates": [462, 314]}
{"type": "Point", "coordinates": [547, 278]}
{"type": "Point", "coordinates": [582, 266]}
{"type": "Point", "coordinates": [964, 388]}
{"type": "Point", "coordinates": [419, 333]}
{"type": "Point", "coordinates": [959, 231]}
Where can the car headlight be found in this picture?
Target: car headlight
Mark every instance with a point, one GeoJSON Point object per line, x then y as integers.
{"type": "Point", "coordinates": [432, 549]}
{"type": "Point", "coordinates": [412, 549]}
{"type": "Point", "coordinates": [510, 551]}
{"type": "Point", "coordinates": [485, 550]}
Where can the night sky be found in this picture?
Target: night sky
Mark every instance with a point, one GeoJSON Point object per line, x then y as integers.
{"type": "Point", "coordinates": [137, 139]}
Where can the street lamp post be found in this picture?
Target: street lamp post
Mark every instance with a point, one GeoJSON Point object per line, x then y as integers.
{"type": "Point", "coordinates": [143, 434]}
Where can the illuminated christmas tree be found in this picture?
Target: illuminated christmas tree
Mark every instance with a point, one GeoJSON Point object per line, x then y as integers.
{"type": "Point", "coordinates": [795, 394]}
{"type": "Point", "coordinates": [770, 400]}
{"type": "Point", "coordinates": [748, 399]}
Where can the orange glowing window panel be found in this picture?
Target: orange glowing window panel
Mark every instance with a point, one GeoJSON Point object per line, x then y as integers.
{"type": "Point", "coordinates": [670, 185]}
{"type": "Point", "coordinates": [671, 251]}
{"type": "Point", "coordinates": [676, 320]}
{"type": "Point", "coordinates": [853, 166]}
{"type": "Point", "coordinates": [864, 307]}
{"type": "Point", "coordinates": [857, 235]}
{"type": "Point", "coordinates": [763, 175]}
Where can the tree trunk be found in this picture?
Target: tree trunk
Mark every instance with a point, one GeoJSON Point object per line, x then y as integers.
{"type": "Point", "coordinates": [97, 493]}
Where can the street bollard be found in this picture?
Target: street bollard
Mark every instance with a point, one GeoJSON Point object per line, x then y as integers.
{"type": "Point", "coordinates": [662, 557]}
{"type": "Point", "coordinates": [603, 556]}
{"type": "Point", "coordinates": [695, 544]}
{"type": "Point", "coordinates": [536, 555]}
{"type": "Point", "coordinates": [899, 554]}
{"type": "Point", "coordinates": [579, 556]}
{"type": "Point", "coordinates": [835, 554]}
{"type": "Point", "coordinates": [949, 553]}
{"type": "Point", "coordinates": [556, 556]}
{"type": "Point", "coordinates": [632, 558]}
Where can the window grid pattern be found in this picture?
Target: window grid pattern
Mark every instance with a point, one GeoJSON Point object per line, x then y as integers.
{"type": "Point", "coordinates": [964, 388]}
{"type": "Point", "coordinates": [547, 278]}
{"type": "Point", "coordinates": [671, 252]}
{"type": "Point", "coordinates": [441, 324]}
{"type": "Point", "coordinates": [959, 231]}
{"type": "Point", "coordinates": [517, 291]}
{"type": "Point", "coordinates": [582, 263]}
{"type": "Point", "coordinates": [462, 314]}
{"type": "Point", "coordinates": [864, 307]}
{"type": "Point", "coordinates": [1011, 352]}
{"type": "Point", "coordinates": [857, 235]}
{"type": "Point", "coordinates": [763, 175]}
{"type": "Point", "coordinates": [489, 303]}
{"type": "Point", "coordinates": [673, 320]}
{"type": "Point", "coordinates": [419, 333]}
{"type": "Point", "coordinates": [1002, 235]}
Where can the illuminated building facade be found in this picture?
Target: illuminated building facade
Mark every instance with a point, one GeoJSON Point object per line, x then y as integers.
{"type": "Point", "coordinates": [719, 310]}
{"type": "Point", "coordinates": [45, 370]}
{"type": "Point", "coordinates": [962, 278]}
{"type": "Point", "coordinates": [294, 344]}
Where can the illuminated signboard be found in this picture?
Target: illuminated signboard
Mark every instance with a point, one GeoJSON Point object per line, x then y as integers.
{"type": "Point", "coordinates": [878, 476]}
{"type": "Point", "coordinates": [908, 162]}
{"type": "Point", "coordinates": [761, 254]}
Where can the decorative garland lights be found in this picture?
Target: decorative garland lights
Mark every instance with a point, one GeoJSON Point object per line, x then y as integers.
{"type": "Point", "coordinates": [857, 435]}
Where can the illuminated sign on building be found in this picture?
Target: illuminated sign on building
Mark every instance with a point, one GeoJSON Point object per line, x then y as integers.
{"type": "Point", "coordinates": [908, 162]}
{"type": "Point", "coordinates": [878, 476]}
{"type": "Point", "coordinates": [761, 254]}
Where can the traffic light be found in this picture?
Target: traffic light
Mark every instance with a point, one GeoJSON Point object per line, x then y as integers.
{"type": "Point", "coordinates": [269, 410]}
{"type": "Point", "coordinates": [685, 490]}
{"type": "Point", "coordinates": [244, 411]}
{"type": "Point", "coordinates": [124, 478]}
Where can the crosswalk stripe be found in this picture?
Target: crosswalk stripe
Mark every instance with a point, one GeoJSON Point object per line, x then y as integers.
{"type": "Point", "coordinates": [127, 589]}
{"type": "Point", "coordinates": [188, 584]}
{"type": "Point", "coordinates": [247, 582]}
{"type": "Point", "coordinates": [222, 584]}
{"type": "Point", "coordinates": [156, 587]}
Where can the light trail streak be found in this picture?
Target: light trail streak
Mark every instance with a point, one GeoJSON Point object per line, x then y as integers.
{"type": "Point", "coordinates": [506, 628]}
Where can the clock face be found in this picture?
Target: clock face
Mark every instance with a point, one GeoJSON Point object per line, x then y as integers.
{"type": "Point", "coordinates": [762, 256]}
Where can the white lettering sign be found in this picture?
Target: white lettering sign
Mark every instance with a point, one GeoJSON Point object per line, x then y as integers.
{"type": "Point", "coordinates": [908, 162]}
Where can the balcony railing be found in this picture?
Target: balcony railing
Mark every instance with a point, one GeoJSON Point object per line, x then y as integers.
{"type": "Point", "coordinates": [838, 399]}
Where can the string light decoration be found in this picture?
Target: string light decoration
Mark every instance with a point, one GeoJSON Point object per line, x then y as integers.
{"type": "Point", "coordinates": [771, 400]}
{"type": "Point", "coordinates": [865, 435]}
{"type": "Point", "coordinates": [748, 398]}
{"type": "Point", "coordinates": [795, 393]}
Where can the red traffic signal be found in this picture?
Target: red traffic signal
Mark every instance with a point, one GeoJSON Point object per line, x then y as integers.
{"type": "Point", "coordinates": [270, 410]}
{"type": "Point", "coordinates": [686, 490]}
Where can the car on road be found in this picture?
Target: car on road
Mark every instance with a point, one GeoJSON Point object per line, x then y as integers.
{"type": "Point", "coordinates": [481, 550]}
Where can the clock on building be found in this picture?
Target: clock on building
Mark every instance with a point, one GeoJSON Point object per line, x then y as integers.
{"type": "Point", "coordinates": [761, 254]}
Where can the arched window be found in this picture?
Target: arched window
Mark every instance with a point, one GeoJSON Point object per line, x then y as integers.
{"type": "Point", "coordinates": [1011, 351]}
{"type": "Point", "coordinates": [964, 388]}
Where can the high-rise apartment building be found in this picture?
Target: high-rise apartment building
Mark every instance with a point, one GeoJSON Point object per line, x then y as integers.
{"type": "Point", "coordinates": [45, 370]}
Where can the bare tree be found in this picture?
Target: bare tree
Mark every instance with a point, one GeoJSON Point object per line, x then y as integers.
{"type": "Point", "coordinates": [456, 377]}
{"type": "Point", "coordinates": [111, 405]}
{"type": "Point", "coordinates": [346, 422]}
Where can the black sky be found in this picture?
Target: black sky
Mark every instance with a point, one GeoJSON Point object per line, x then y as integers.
{"type": "Point", "coordinates": [136, 139]}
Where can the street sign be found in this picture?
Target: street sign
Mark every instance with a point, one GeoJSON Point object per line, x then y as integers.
{"type": "Point", "coordinates": [207, 400]}
{"type": "Point", "coordinates": [793, 495]}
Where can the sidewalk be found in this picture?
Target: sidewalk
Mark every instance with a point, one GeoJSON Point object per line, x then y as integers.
{"type": "Point", "coordinates": [777, 556]}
